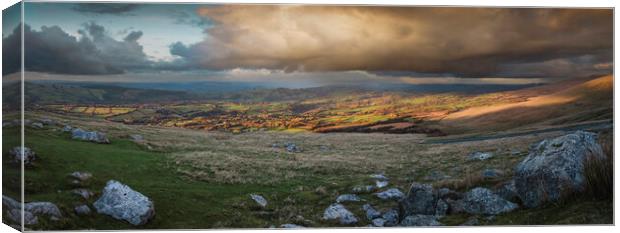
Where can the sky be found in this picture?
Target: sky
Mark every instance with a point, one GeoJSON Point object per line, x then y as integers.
{"type": "Point", "coordinates": [309, 43]}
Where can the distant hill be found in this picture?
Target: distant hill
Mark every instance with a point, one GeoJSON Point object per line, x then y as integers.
{"type": "Point", "coordinates": [65, 93]}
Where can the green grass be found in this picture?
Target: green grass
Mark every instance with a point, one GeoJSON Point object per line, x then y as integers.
{"type": "Point", "coordinates": [180, 203]}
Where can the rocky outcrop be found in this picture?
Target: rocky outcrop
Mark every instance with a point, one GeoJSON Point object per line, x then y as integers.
{"type": "Point", "coordinates": [91, 136]}
{"type": "Point", "coordinates": [123, 203]}
{"type": "Point", "coordinates": [555, 167]}
{"type": "Point", "coordinates": [390, 217]}
{"type": "Point", "coordinates": [31, 210]}
{"type": "Point", "coordinates": [340, 213]}
{"type": "Point", "coordinates": [484, 201]}
{"type": "Point", "coordinates": [28, 155]}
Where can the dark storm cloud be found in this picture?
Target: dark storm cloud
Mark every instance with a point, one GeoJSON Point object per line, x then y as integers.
{"type": "Point", "coordinates": [463, 41]}
{"type": "Point", "coordinates": [105, 8]}
{"type": "Point", "coordinates": [52, 50]}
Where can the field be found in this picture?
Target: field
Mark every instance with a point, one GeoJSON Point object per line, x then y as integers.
{"type": "Point", "coordinates": [199, 162]}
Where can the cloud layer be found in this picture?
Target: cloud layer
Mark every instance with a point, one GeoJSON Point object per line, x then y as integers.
{"type": "Point", "coordinates": [105, 8]}
{"type": "Point", "coordinates": [52, 50]}
{"type": "Point", "coordinates": [462, 41]}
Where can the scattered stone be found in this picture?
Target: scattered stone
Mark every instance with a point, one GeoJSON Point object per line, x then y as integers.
{"type": "Point", "coordinates": [82, 210]}
{"type": "Point", "coordinates": [292, 148]}
{"type": "Point", "coordinates": [339, 212]}
{"type": "Point", "coordinates": [15, 215]}
{"type": "Point", "coordinates": [483, 201]}
{"type": "Point", "coordinates": [81, 176]}
{"type": "Point", "coordinates": [378, 222]}
{"type": "Point", "coordinates": [347, 197]}
{"type": "Point", "coordinates": [67, 128]}
{"type": "Point", "coordinates": [260, 200]}
{"type": "Point", "coordinates": [363, 189]}
{"type": "Point", "coordinates": [421, 200]}
{"type": "Point", "coordinates": [371, 212]}
{"type": "Point", "coordinates": [381, 183]}
{"type": "Point", "coordinates": [390, 217]}
{"type": "Point", "coordinates": [390, 194]}
{"type": "Point", "coordinates": [47, 121]}
{"type": "Point", "coordinates": [123, 203]}
{"type": "Point", "coordinates": [136, 137]}
{"type": "Point", "coordinates": [37, 125]}
{"type": "Point", "coordinates": [420, 220]}
{"type": "Point", "coordinates": [290, 225]}
{"type": "Point", "coordinates": [28, 155]}
{"type": "Point", "coordinates": [481, 156]}
{"type": "Point", "coordinates": [91, 136]}
{"type": "Point", "coordinates": [379, 177]}
{"type": "Point", "coordinates": [555, 167]}
{"type": "Point", "coordinates": [515, 152]}
{"type": "Point", "coordinates": [84, 193]}
{"type": "Point", "coordinates": [492, 173]}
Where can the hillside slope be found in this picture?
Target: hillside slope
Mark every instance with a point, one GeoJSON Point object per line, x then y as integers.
{"type": "Point", "coordinates": [589, 100]}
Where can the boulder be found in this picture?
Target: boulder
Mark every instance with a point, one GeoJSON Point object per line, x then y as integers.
{"type": "Point", "coordinates": [37, 125]}
{"type": "Point", "coordinates": [422, 199]}
{"type": "Point", "coordinates": [81, 176]}
{"type": "Point", "coordinates": [260, 200]}
{"type": "Point", "coordinates": [371, 212]}
{"type": "Point", "coordinates": [420, 220]}
{"type": "Point", "coordinates": [378, 222]}
{"type": "Point", "coordinates": [483, 201]}
{"type": "Point", "coordinates": [446, 193]}
{"type": "Point", "coordinates": [82, 210]}
{"type": "Point", "coordinates": [363, 189]}
{"type": "Point", "coordinates": [390, 217]}
{"type": "Point", "coordinates": [28, 155]}
{"type": "Point", "coordinates": [15, 215]}
{"type": "Point", "coordinates": [480, 156]}
{"type": "Point", "coordinates": [390, 194]}
{"type": "Point", "coordinates": [555, 168]}
{"type": "Point", "coordinates": [10, 203]}
{"type": "Point", "coordinates": [43, 208]}
{"type": "Point", "coordinates": [347, 197]}
{"type": "Point", "coordinates": [91, 136]}
{"type": "Point", "coordinates": [340, 213]}
{"type": "Point", "coordinates": [123, 203]}
{"type": "Point", "coordinates": [84, 193]}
